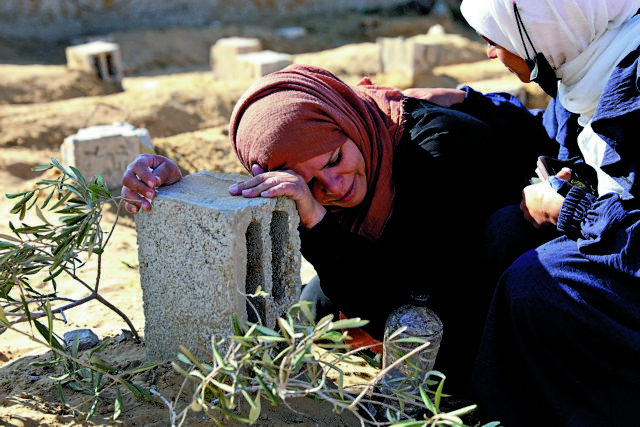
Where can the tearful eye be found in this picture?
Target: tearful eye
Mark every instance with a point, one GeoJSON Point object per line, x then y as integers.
{"type": "Point", "coordinates": [334, 161]}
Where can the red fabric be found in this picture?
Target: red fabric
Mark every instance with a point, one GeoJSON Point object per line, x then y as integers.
{"type": "Point", "coordinates": [360, 338]}
{"type": "Point", "coordinates": [298, 113]}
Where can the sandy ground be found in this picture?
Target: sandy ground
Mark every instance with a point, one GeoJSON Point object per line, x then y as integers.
{"type": "Point", "coordinates": [168, 89]}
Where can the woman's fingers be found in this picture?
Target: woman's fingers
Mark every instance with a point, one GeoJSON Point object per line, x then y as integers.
{"type": "Point", "coordinates": [273, 184]}
{"type": "Point", "coordinates": [283, 183]}
{"type": "Point", "coordinates": [143, 176]}
{"type": "Point", "coordinates": [134, 202]}
{"type": "Point", "coordinates": [256, 169]}
{"type": "Point", "coordinates": [276, 183]}
{"type": "Point", "coordinates": [564, 174]}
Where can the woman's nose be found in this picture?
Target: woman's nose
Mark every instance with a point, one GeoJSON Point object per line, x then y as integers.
{"type": "Point", "coordinates": [333, 185]}
{"type": "Point", "coordinates": [330, 184]}
{"type": "Point", "coordinates": [491, 52]}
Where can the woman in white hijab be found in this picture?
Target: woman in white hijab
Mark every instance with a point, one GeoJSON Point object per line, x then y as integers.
{"type": "Point", "coordinates": [562, 341]}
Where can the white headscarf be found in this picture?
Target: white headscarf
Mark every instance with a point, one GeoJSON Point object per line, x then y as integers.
{"type": "Point", "coordinates": [583, 40]}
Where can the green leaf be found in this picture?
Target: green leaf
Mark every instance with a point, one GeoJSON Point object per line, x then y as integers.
{"type": "Point", "coordinates": [356, 322]}
{"type": "Point", "coordinates": [57, 164]}
{"type": "Point", "coordinates": [21, 204]}
{"type": "Point", "coordinates": [23, 212]}
{"type": "Point", "coordinates": [61, 201]}
{"type": "Point", "coordinates": [142, 369]}
{"type": "Point", "coordinates": [7, 245]}
{"type": "Point", "coordinates": [182, 358]}
{"type": "Point", "coordinates": [48, 335]}
{"type": "Point", "coordinates": [102, 364]}
{"type": "Point", "coordinates": [138, 391]}
{"type": "Point", "coordinates": [268, 339]}
{"type": "Point", "coordinates": [15, 195]}
{"type": "Point", "coordinates": [286, 327]}
{"type": "Point", "coordinates": [60, 393]}
{"type": "Point", "coordinates": [429, 404]}
{"type": "Point", "coordinates": [3, 317]}
{"type": "Point", "coordinates": [271, 394]}
{"type": "Point", "coordinates": [99, 192]}
{"type": "Point", "coordinates": [99, 347]}
{"type": "Point", "coordinates": [25, 306]}
{"type": "Point", "coordinates": [305, 308]}
{"type": "Point", "coordinates": [462, 411]}
{"type": "Point", "coordinates": [84, 229]}
{"type": "Point", "coordinates": [411, 423]}
{"type": "Point", "coordinates": [225, 387]}
{"type": "Point", "coordinates": [254, 412]}
{"type": "Point", "coordinates": [41, 216]}
{"type": "Point", "coordinates": [47, 309]}
{"type": "Point", "coordinates": [92, 411]}
{"type": "Point", "coordinates": [42, 168]}
{"type": "Point", "coordinates": [46, 201]}
{"type": "Point", "coordinates": [11, 238]}
{"type": "Point", "coordinates": [79, 176]}
{"type": "Point", "coordinates": [55, 273]}
{"type": "Point", "coordinates": [75, 345]}
{"type": "Point", "coordinates": [75, 190]}
{"type": "Point", "coordinates": [267, 331]}
{"type": "Point", "coordinates": [117, 406]}
{"type": "Point", "coordinates": [235, 324]}
{"type": "Point", "coordinates": [47, 363]}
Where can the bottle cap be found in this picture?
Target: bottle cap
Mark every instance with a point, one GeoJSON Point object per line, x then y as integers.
{"type": "Point", "coordinates": [419, 298]}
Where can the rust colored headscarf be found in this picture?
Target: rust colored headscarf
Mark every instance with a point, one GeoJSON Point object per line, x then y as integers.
{"type": "Point", "coordinates": [301, 112]}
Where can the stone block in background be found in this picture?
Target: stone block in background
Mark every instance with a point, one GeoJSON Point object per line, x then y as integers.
{"type": "Point", "coordinates": [99, 58]}
{"type": "Point", "coordinates": [224, 53]}
{"type": "Point", "coordinates": [105, 150]}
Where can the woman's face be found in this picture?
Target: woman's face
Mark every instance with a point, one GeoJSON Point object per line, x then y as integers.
{"type": "Point", "coordinates": [336, 178]}
{"type": "Point", "coordinates": [514, 63]}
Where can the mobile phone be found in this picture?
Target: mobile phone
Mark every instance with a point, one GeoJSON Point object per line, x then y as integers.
{"type": "Point", "coordinates": [582, 175]}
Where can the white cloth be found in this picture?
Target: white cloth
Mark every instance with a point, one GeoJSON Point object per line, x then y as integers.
{"type": "Point", "coordinates": [597, 153]}
{"type": "Point", "coordinates": [582, 78]}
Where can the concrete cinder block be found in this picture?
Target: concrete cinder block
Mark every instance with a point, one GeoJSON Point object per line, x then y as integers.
{"type": "Point", "coordinates": [417, 57]}
{"type": "Point", "coordinates": [239, 58]}
{"type": "Point", "coordinates": [394, 55]}
{"type": "Point", "coordinates": [257, 64]}
{"type": "Point", "coordinates": [105, 150]}
{"type": "Point", "coordinates": [100, 58]}
{"type": "Point", "coordinates": [201, 251]}
{"type": "Point", "coordinates": [224, 52]}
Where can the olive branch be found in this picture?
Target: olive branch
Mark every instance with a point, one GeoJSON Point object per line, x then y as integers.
{"type": "Point", "coordinates": [35, 257]}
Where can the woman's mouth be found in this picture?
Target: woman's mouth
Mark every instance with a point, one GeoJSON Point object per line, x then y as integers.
{"type": "Point", "coordinates": [348, 195]}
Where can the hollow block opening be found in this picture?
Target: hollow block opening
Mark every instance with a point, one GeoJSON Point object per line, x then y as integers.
{"type": "Point", "coordinates": [256, 307]}
{"type": "Point", "coordinates": [279, 233]}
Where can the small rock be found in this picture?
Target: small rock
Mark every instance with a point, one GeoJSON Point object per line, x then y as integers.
{"type": "Point", "coordinates": [124, 336]}
{"type": "Point", "coordinates": [86, 338]}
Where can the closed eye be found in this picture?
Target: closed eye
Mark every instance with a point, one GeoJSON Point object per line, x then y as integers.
{"type": "Point", "coordinates": [335, 158]}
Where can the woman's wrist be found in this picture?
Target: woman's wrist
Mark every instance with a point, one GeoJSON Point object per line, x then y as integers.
{"type": "Point", "coordinates": [310, 220]}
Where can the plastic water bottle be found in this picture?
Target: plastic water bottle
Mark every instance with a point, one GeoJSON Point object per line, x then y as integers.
{"type": "Point", "coordinates": [420, 322]}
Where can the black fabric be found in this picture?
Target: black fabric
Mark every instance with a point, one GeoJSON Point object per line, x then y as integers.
{"type": "Point", "coordinates": [449, 175]}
